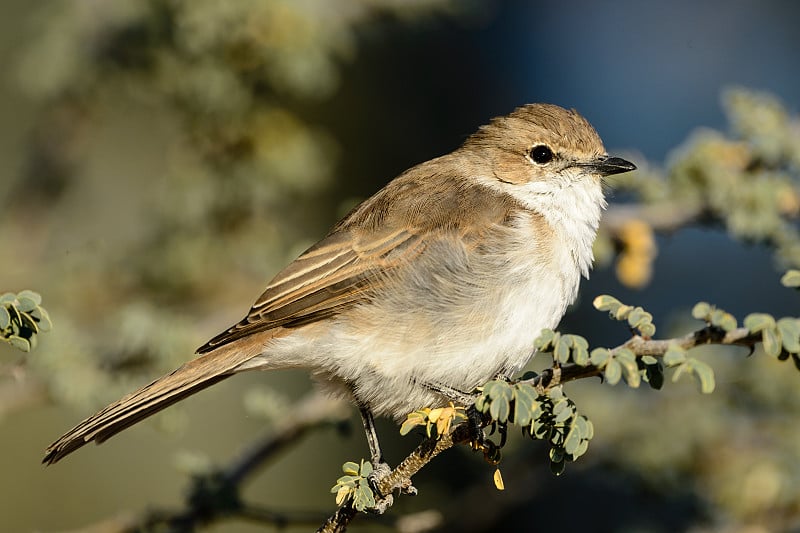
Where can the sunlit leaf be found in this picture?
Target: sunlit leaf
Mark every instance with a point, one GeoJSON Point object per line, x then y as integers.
{"type": "Point", "coordinates": [701, 310]}
{"type": "Point", "coordinates": [756, 322]}
{"type": "Point", "coordinates": [498, 480]}
{"type": "Point", "coordinates": [789, 329]}
{"type": "Point", "coordinates": [613, 372]}
{"type": "Point", "coordinates": [771, 341]}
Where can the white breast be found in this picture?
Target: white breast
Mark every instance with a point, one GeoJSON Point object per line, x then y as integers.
{"type": "Point", "coordinates": [456, 319]}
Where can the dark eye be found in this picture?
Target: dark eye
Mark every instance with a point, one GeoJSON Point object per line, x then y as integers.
{"type": "Point", "coordinates": [541, 154]}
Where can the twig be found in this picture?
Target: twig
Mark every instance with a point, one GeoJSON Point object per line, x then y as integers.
{"type": "Point", "coordinates": [551, 377]}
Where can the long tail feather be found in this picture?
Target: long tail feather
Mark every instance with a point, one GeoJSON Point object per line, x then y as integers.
{"type": "Point", "coordinates": [188, 379]}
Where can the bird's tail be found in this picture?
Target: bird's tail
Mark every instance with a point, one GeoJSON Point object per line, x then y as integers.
{"type": "Point", "coordinates": [193, 376]}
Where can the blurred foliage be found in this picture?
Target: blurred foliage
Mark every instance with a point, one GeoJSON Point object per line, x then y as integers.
{"type": "Point", "coordinates": [746, 180]}
{"type": "Point", "coordinates": [220, 88]}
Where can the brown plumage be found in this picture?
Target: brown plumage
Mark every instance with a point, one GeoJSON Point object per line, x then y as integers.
{"type": "Point", "coordinates": [439, 281]}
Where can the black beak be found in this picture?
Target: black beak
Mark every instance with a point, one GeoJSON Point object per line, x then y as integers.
{"type": "Point", "coordinates": [607, 166]}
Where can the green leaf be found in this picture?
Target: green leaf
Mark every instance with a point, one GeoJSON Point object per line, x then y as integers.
{"type": "Point", "coordinates": [573, 440]}
{"type": "Point", "coordinates": [580, 356]}
{"type": "Point", "coordinates": [25, 303]}
{"type": "Point", "coordinates": [366, 468]}
{"type": "Point", "coordinates": [525, 404]}
{"type": "Point", "coordinates": [45, 324]}
{"type": "Point", "coordinates": [704, 374]}
{"type": "Point", "coordinates": [622, 312]}
{"type": "Point", "coordinates": [789, 329]}
{"type": "Point", "coordinates": [771, 341]}
{"type": "Point", "coordinates": [647, 330]}
{"type": "Point", "coordinates": [627, 359]}
{"type": "Point", "coordinates": [600, 356]}
{"type": "Point", "coordinates": [582, 447]}
{"type": "Point", "coordinates": [7, 298]}
{"type": "Point", "coordinates": [613, 372]}
{"type": "Point", "coordinates": [674, 355]}
{"type": "Point", "coordinates": [791, 279]}
{"type": "Point", "coordinates": [350, 468]}
{"type": "Point", "coordinates": [701, 310]}
{"type": "Point", "coordinates": [5, 318]}
{"type": "Point", "coordinates": [544, 340]}
{"type": "Point", "coordinates": [35, 296]}
{"type": "Point", "coordinates": [18, 342]}
{"type": "Point", "coordinates": [500, 409]}
{"type": "Point", "coordinates": [756, 322]}
{"type": "Point", "coordinates": [561, 352]}
{"type": "Point", "coordinates": [564, 414]}
{"type": "Point", "coordinates": [604, 302]}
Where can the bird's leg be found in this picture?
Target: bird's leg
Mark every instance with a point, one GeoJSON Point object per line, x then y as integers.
{"type": "Point", "coordinates": [376, 456]}
{"type": "Point", "coordinates": [380, 468]}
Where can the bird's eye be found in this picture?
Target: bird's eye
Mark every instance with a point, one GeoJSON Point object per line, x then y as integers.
{"type": "Point", "coordinates": [541, 154]}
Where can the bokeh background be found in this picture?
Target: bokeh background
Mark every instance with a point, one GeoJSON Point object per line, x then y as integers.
{"type": "Point", "coordinates": [160, 160]}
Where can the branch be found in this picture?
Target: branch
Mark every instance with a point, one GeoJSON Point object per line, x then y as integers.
{"type": "Point", "coordinates": [641, 347]}
{"type": "Point", "coordinates": [400, 476]}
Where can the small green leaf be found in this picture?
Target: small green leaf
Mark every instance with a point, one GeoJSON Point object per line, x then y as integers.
{"type": "Point", "coordinates": [704, 374]}
{"type": "Point", "coordinates": [582, 447]}
{"type": "Point", "coordinates": [756, 322]}
{"type": "Point", "coordinates": [613, 372]}
{"type": "Point", "coordinates": [580, 356]}
{"type": "Point", "coordinates": [563, 415]}
{"type": "Point", "coordinates": [366, 468]}
{"type": "Point", "coordinates": [791, 279]}
{"type": "Point", "coordinates": [604, 302]}
{"type": "Point", "coordinates": [701, 310]}
{"type": "Point", "coordinates": [5, 318]}
{"type": "Point", "coordinates": [674, 355]}
{"type": "Point", "coordinates": [599, 357]}
{"type": "Point", "coordinates": [573, 440]}
{"type": "Point", "coordinates": [45, 324]}
{"type": "Point", "coordinates": [627, 359]}
{"type": "Point", "coordinates": [7, 298]}
{"type": "Point", "coordinates": [561, 352]}
{"type": "Point", "coordinates": [26, 303]}
{"type": "Point", "coordinates": [20, 343]}
{"type": "Point", "coordinates": [500, 409]}
{"type": "Point", "coordinates": [622, 312]}
{"type": "Point", "coordinates": [789, 329]}
{"type": "Point", "coordinates": [350, 468]}
{"type": "Point", "coordinates": [525, 404]}
{"type": "Point", "coordinates": [544, 340]}
{"type": "Point", "coordinates": [771, 341]}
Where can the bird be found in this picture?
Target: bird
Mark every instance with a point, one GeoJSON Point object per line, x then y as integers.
{"type": "Point", "coordinates": [438, 283]}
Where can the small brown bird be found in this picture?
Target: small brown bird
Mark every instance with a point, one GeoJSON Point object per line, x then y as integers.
{"type": "Point", "coordinates": [436, 284]}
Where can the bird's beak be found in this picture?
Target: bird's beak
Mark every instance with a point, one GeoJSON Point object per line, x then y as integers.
{"type": "Point", "coordinates": [606, 166]}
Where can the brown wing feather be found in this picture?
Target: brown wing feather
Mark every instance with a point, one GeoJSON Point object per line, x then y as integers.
{"type": "Point", "coordinates": [329, 277]}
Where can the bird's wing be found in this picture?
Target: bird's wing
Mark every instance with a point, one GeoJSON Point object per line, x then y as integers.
{"type": "Point", "coordinates": [332, 275]}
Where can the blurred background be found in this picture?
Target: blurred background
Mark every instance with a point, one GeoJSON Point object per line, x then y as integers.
{"type": "Point", "coordinates": [161, 160]}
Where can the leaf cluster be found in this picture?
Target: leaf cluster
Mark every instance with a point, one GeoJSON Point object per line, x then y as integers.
{"type": "Point", "coordinates": [354, 486]}
{"type": "Point", "coordinates": [551, 417]}
{"type": "Point", "coordinates": [638, 319]}
{"type": "Point", "coordinates": [439, 421]}
{"type": "Point", "coordinates": [22, 318]}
